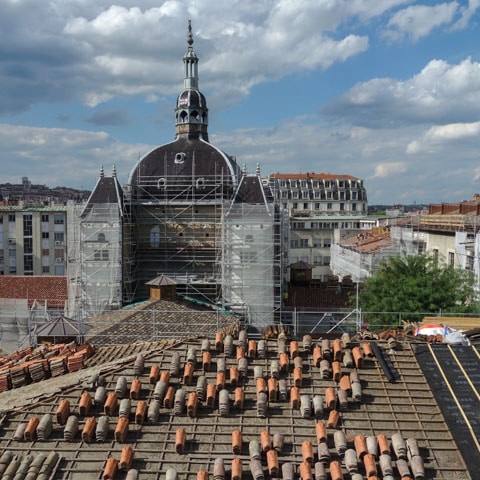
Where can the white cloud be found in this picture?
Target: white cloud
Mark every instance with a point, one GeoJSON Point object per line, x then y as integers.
{"type": "Point", "coordinates": [418, 21]}
{"type": "Point", "coordinates": [63, 157]}
{"type": "Point", "coordinates": [439, 135]}
{"type": "Point", "coordinates": [440, 93]}
{"type": "Point", "coordinates": [389, 169]}
{"type": "Point", "coordinates": [466, 14]}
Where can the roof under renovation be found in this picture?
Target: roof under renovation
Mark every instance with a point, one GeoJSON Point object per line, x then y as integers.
{"type": "Point", "coordinates": [227, 406]}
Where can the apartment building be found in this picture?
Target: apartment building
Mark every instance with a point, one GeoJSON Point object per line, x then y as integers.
{"type": "Point", "coordinates": [32, 240]}
{"type": "Point", "coordinates": [317, 205]}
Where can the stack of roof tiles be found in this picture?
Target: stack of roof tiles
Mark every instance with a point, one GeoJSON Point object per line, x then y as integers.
{"type": "Point", "coordinates": [28, 365]}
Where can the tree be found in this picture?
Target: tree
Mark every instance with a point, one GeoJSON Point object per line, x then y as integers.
{"type": "Point", "coordinates": [414, 285]}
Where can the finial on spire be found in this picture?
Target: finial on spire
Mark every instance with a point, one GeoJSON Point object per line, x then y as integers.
{"type": "Point", "coordinates": [102, 171]}
{"type": "Point", "coordinates": [190, 34]}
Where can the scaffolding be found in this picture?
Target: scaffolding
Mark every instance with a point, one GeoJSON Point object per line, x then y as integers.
{"type": "Point", "coordinates": [94, 259]}
{"type": "Point", "coordinates": [253, 262]}
{"type": "Point", "coordinates": [175, 229]}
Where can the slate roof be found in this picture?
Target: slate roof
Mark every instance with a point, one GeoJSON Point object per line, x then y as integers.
{"type": "Point", "coordinates": [251, 190]}
{"type": "Point", "coordinates": [106, 191]}
{"type": "Point", "coordinates": [41, 288]}
{"type": "Point", "coordinates": [161, 280]}
{"type": "Point", "coordinates": [314, 176]}
{"type": "Point", "coordinates": [58, 327]}
{"type": "Point", "coordinates": [184, 162]}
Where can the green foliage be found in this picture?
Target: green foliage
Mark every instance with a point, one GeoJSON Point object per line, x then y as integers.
{"type": "Point", "coordinates": [415, 285]}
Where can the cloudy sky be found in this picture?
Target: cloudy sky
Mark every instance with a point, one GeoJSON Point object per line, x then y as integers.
{"type": "Point", "coordinates": [387, 91]}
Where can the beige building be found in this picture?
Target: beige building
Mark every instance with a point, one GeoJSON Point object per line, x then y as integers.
{"type": "Point", "coordinates": [317, 206]}
{"type": "Point", "coordinates": [32, 240]}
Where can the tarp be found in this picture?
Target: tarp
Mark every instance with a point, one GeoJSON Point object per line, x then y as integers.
{"type": "Point", "coordinates": [433, 329]}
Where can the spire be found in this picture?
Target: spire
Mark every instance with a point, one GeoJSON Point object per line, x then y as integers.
{"type": "Point", "coordinates": [191, 112]}
{"type": "Point", "coordinates": [102, 171]}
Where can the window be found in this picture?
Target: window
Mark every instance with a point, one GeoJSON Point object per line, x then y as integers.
{"type": "Point", "coordinates": [28, 263]}
{"type": "Point", "coordinates": [316, 194]}
{"type": "Point", "coordinates": [58, 219]}
{"type": "Point", "coordinates": [283, 183]}
{"type": "Point", "coordinates": [435, 257]}
{"type": "Point", "coordinates": [327, 184]}
{"type": "Point", "coordinates": [451, 259]}
{"type": "Point", "coordinates": [317, 206]}
{"type": "Point", "coordinates": [45, 252]}
{"type": "Point", "coordinates": [470, 262]}
{"type": "Point", "coordinates": [295, 194]}
{"type": "Point", "coordinates": [12, 252]}
{"type": "Point", "coordinates": [329, 195]}
{"type": "Point", "coordinates": [28, 245]}
{"type": "Point", "coordinates": [304, 183]}
{"type": "Point", "coordinates": [59, 236]}
{"type": "Point", "coordinates": [305, 206]}
{"type": "Point", "coordinates": [11, 218]}
{"type": "Point", "coordinates": [315, 184]}
{"type": "Point", "coordinates": [329, 205]}
{"type": "Point", "coordinates": [44, 218]}
{"type": "Point", "coordinates": [342, 195]}
{"type": "Point", "coordinates": [342, 206]}
{"type": "Point", "coordinates": [305, 194]}
{"type": "Point", "coordinates": [101, 237]}
{"type": "Point", "coordinates": [45, 235]}
{"type": "Point", "coordinates": [354, 195]}
{"type": "Point", "coordinates": [284, 194]}
{"type": "Point", "coordinates": [293, 183]}
{"type": "Point", "coordinates": [27, 225]}
{"type": "Point", "coordinates": [327, 242]}
{"type": "Point", "coordinates": [353, 183]}
{"type": "Point", "coordinates": [304, 243]}
{"type": "Point", "coordinates": [46, 269]}
{"type": "Point", "coordinates": [340, 184]}
{"type": "Point", "coordinates": [295, 205]}
{"type": "Point", "coordinates": [354, 207]}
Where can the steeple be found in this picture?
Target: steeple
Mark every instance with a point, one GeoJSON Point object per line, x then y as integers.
{"type": "Point", "coordinates": [191, 112]}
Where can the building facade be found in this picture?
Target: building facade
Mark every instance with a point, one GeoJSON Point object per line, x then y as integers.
{"type": "Point", "coordinates": [33, 240]}
{"type": "Point", "coordinates": [317, 205]}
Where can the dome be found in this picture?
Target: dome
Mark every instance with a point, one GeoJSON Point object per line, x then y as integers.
{"type": "Point", "coordinates": [192, 98]}
{"type": "Point", "coordinates": [185, 169]}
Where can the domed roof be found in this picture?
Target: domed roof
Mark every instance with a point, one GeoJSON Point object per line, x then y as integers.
{"type": "Point", "coordinates": [193, 98]}
{"type": "Point", "coordinates": [184, 169]}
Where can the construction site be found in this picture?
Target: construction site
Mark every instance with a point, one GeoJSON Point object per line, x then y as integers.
{"type": "Point", "coordinates": [228, 406]}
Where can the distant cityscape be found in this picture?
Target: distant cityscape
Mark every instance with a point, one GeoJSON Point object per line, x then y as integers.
{"type": "Point", "coordinates": [36, 194]}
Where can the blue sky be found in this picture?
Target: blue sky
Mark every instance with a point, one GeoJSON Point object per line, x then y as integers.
{"type": "Point", "coordinates": [387, 91]}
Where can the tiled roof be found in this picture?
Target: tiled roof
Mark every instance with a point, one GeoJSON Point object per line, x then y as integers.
{"type": "Point", "coordinates": [368, 242]}
{"type": "Point", "coordinates": [174, 422]}
{"type": "Point", "coordinates": [50, 289]}
{"type": "Point", "coordinates": [154, 320]}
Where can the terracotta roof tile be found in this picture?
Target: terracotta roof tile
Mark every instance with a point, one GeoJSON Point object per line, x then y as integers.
{"type": "Point", "coordinates": [52, 289]}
